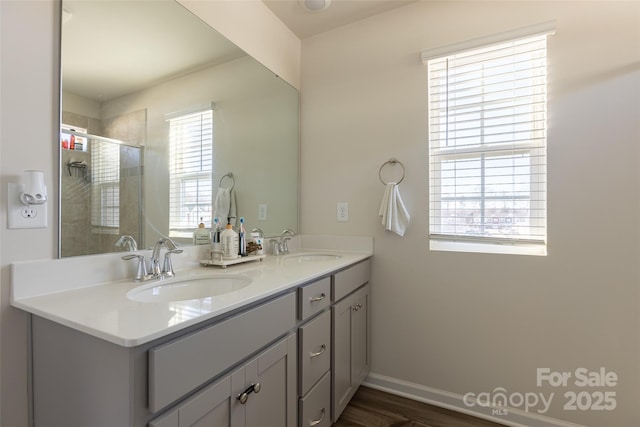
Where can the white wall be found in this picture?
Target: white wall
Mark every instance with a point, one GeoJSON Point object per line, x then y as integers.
{"type": "Point", "coordinates": [255, 137]}
{"type": "Point", "coordinates": [28, 127]}
{"type": "Point", "coordinates": [28, 118]}
{"type": "Point", "coordinates": [246, 23]}
{"type": "Point", "coordinates": [459, 322]}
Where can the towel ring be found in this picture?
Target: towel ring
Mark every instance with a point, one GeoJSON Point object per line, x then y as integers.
{"type": "Point", "coordinates": [391, 161]}
{"type": "Point", "coordinates": [230, 176]}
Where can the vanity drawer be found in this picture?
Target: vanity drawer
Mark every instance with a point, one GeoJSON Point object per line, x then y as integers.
{"type": "Point", "coordinates": [313, 409]}
{"type": "Point", "coordinates": [314, 297]}
{"type": "Point", "coordinates": [351, 279]}
{"type": "Point", "coordinates": [315, 350]}
{"type": "Point", "coordinates": [181, 365]}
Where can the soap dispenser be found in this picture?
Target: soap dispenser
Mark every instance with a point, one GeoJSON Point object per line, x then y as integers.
{"type": "Point", "coordinates": [229, 240]}
{"type": "Point", "coordinates": [201, 235]}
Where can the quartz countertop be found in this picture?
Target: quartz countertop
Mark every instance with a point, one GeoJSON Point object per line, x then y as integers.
{"type": "Point", "coordinates": [104, 311]}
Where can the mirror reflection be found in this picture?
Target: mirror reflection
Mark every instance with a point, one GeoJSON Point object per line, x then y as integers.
{"type": "Point", "coordinates": [166, 124]}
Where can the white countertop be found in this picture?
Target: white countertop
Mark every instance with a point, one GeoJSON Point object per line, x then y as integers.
{"type": "Point", "coordinates": [104, 311]}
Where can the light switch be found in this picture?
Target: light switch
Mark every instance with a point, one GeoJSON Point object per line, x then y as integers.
{"type": "Point", "coordinates": [262, 212]}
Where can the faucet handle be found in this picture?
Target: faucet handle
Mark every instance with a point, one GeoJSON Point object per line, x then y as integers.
{"type": "Point", "coordinates": [167, 266]}
{"type": "Point", "coordinates": [141, 274]}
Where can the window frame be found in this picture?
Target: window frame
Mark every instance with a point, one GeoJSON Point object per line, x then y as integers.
{"type": "Point", "coordinates": [481, 151]}
{"type": "Point", "coordinates": [179, 179]}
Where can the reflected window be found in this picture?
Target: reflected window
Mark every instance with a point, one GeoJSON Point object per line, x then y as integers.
{"type": "Point", "coordinates": [105, 186]}
{"type": "Point", "coordinates": [190, 171]}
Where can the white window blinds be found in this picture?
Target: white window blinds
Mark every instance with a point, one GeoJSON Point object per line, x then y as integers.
{"type": "Point", "coordinates": [105, 185]}
{"type": "Point", "coordinates": [190, 171]}
{"type": "Point", "coordinates": [487, 144]}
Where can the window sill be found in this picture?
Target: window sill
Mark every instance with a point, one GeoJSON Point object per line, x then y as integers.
{"type": "Point", "coordinates": [487, 248]}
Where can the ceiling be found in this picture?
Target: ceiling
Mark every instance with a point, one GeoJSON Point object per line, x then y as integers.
{"type": "Point", "coordinates": [111, 48]}
{"type": "Point", "coordinates": [340, 12]}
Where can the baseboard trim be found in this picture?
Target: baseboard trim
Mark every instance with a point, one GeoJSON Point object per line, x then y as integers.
{"type": "Point", "coordinates": [513, 417]}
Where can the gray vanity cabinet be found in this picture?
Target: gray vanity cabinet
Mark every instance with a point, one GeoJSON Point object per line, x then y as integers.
{"type": "Point", "coordinates": [82, 381]}
{"type": "Point", "coordinates": [297, 358]}
{"type": "Point", "coordinates": [260, 393]}
{"type": "Point", "coordinates": [350, 318]}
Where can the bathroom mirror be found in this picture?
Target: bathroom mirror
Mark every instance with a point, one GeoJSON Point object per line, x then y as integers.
{"type": "Point", "coordinates": [161, 114]}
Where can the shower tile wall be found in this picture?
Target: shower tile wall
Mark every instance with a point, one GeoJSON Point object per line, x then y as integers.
{"type": "Point", "coordinates": [78, 237]}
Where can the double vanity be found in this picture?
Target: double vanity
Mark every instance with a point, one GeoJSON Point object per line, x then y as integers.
{"type": "Point", "coordinates": [273, 343]}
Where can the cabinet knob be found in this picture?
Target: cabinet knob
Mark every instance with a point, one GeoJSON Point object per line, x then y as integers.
{"type": "Point", "coordinates": [244, 396]}
{"type": "Point", "coordinates": [318, 298]}
{"type": "Point", "coordinates": [323, 348]}
{"type": "Point", "coordinates": [319, 420]}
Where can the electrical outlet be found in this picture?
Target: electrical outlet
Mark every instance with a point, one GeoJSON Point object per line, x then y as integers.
{"type": "Point", "coordinates": [20, 215]}
{"type": "Point", "coordinates": [343, 211]}
{"type": "Point", "coordinates": [262, 212]}
{"type": "Point", "coordinates": [29, 212]}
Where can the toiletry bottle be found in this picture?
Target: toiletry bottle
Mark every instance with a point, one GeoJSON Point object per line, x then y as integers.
{"type": "Point", "coordinates": [72, 141]}
{"type": "Point", "coordinates": [229, 240]}
{"type": "Point", "coordinates": [201, 235]}
{"type": "Point", "coordinates": [258, 238]}
{"type": "Point", "coordinates": [242, 239]}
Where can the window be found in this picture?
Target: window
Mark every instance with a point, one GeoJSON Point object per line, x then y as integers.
{"type": "Point", "coordinates": [190, 171]}
{"type": "Point", "coordinates": [105, 186]}
{"type": "Point", "coordinates": [487, 147]}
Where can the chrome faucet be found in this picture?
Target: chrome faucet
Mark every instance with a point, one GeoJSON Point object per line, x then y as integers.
{"type": "Point", "coordinates": [127, 243]}
{"type": "Point", "coordinates": [285, 236]}
{"type": "Point", "coordinates": [259, 231]}
{"type": "Point", "coordinates": [167, 269]}
{"type": "Point", "coordinates": [141, 274]}
{"type": "Point", "coordinates": [276, 246]}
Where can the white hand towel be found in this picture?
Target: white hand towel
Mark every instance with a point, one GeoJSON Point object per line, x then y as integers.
{"type": "Point", "coordinates": [394, 215]}
{"type": "Point", "coordinates": [224, 206]}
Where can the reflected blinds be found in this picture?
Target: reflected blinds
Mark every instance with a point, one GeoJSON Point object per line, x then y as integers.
{"type": "Point", "coordinates": [487, 143]}
{"type": "Point", "coordinates": [105, 184]}
{"type": "Point", "coordinates": [190, 170]}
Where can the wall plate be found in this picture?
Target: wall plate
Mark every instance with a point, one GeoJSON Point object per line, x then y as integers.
{"type": "Point", "coordinates": [343, 211]}
{"type": "Point", "coordinates": [20, 215]}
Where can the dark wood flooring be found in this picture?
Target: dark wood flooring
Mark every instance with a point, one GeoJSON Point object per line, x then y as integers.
{"type": "Point", "coordinates": [373, 408]}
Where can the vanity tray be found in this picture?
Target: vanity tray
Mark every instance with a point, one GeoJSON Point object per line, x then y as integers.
{"type": "Point", "coordinates": [226, 262]}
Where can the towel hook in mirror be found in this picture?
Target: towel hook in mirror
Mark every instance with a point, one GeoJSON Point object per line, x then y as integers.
{"type": "Point", "coordinates": [391, 161]}
{"type": "Point", "coordinates": [230, 176]}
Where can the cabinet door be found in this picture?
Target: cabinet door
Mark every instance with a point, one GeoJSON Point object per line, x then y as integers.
{"type": "Point", "coordinates": [351, 354]}
{"type": "Point", "coordinates": [275, 402]}
{"type": "Point", "coordinates": [360, 336]}
{"type": "Point", "coordinates": [270, 383]}
{"type": "Point", "coordinates": [209, 408]}
{"type": "Point", "coordinates": [341, 346]}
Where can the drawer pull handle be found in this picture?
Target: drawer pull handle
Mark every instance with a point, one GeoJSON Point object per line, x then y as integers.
{"type": "Point", "coordinates": [318, 421]}
{"type": "Point", "coordinates": [244, 396]}
{"type": "Point", "coordinates": [318, 298]}
{"type": "Point", "coordinates": [323, 348]}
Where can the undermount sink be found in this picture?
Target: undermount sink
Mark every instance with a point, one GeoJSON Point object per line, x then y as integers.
{"type": "Point", "coordinates": [188, 288]}
{"type": "Point", "coordinates": [311, 257]}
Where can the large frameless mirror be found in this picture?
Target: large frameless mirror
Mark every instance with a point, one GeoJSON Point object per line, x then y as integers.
{"type": "Point", "coordinates": [166, 124]}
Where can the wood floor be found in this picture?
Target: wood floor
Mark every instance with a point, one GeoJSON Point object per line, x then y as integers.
{"type": "Point", "coordinates": [373, 408]}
